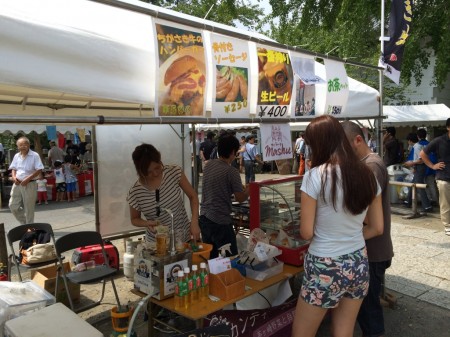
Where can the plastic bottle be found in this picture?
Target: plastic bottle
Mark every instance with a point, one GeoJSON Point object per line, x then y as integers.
{"type": "Point", "coordinates": [194, 294]}
{"type": "Point", "coordinates": [204, 281]}
{"type": "Point", "coordinates": [180, 295]}
{"type": "Point", "coordinates": [188, 277]}
{"type": "Point", "coordinates": [128, 260]}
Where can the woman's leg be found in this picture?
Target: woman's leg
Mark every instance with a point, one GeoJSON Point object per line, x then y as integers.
{"type": "Point", "coordinates": [307, 319]}
{"type": "Point", "coordinates": [343, 317]}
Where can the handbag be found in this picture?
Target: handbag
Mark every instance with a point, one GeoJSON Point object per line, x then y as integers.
{"type": "Point", "coordinates": [38, 253]}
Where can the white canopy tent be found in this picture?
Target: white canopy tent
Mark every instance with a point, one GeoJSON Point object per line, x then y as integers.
{"type": "Point", "coordinates": [416, 115]}
{"type": "Point", "coordinates": [79, 62]}
{"type": "Point", "coordinates": [84, 58]}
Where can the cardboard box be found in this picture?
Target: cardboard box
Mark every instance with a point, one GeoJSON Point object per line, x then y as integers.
{"type": "Point", "coordinates": [46, 278]}
{"type": "Point", "coordinates": [227, 285]}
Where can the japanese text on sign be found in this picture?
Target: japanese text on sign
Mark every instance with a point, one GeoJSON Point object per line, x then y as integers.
{"type": "Point", "coordinates": [334, 85]}
{"type": "Point", "coordinates": [274, 56]}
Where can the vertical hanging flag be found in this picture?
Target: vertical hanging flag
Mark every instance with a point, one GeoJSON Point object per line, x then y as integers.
{"type": "Point", "coordinates": [51, 132]}
{"type": "Point", "coordinates": [399, 30]}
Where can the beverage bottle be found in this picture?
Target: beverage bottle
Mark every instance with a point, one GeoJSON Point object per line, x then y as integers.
{"type": "Point", "coordinates": [204, 281]}
{"type": "Point", "coordinates": [180, 295]}
{"type": "Point", "coordinates": [188, 277]}
{"type": "Point", "coordinates": [195, 284]}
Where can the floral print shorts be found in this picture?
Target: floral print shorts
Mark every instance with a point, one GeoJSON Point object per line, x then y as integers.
{"type": "Point", "coordinates": [327, 280]}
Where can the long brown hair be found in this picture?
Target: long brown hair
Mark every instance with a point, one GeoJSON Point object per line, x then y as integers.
{"type": "Point", "coordinates": [331, 148]}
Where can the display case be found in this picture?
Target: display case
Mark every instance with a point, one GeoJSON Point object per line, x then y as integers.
{"type": "Point", "coordinates": [275, 208]}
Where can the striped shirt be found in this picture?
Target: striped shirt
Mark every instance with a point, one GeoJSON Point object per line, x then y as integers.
{"type": "Point", "coordinates": [220, 181]}
{"type": "Point", "coordinates": [170, 196]}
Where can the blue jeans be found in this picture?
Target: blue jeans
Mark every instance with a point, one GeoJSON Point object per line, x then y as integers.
{"type": "Point", "coordinates": [370, 316]}
{"type": "Point", "coordinates": [249, 172]}
{"type": "Point", "coordinates": [419, 178]}
{"type": "Point", "coordinates": [217, 235]}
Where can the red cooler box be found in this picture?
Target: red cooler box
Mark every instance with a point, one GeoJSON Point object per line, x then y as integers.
{"type": "Point", "coordinates": [89, 253]}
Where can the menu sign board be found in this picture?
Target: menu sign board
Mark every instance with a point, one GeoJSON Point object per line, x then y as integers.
{"type": "Point", "coordinates": [275, 83]}
{"type": "Point", "coordinates": [181, 72]}
{"type": "Point", "coordinates": [230, 58]}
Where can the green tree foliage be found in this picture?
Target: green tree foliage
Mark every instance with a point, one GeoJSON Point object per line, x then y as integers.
{"type": "Point", "coordinates": [354, 26]}
{"type": "Point", "coordinates": [228, 12]}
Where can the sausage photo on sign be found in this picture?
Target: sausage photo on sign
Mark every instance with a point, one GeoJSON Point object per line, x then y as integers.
{"type": "Point", "coordinates": [231, 84]}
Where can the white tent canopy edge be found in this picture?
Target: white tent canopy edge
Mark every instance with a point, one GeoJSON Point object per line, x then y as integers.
{"type": "Point", "coordinates": [416, 115]}
{"type": "Point", "coordinates": [61, 55]}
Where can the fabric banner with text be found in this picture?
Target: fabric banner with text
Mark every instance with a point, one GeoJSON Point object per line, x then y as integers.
{"type": "Point", "coordinates": [275, 83]}
{"type": "Point", "coordinates": [231, 65]}
{"type": "Point", "coordinates": [305, 79]}
{"type": "Point", "coordinates": [276, 141]}
{"type": "Point", "coordinates": [337, 88]}
{"type": "Point", "coordinates": [181, 78]}
{"type": "Point", "coordinates": [399, 30]}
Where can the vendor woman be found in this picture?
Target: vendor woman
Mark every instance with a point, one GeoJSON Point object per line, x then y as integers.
{"type": "Point", "coordinates": [157, 190]}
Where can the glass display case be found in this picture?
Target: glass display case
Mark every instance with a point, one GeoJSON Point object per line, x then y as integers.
{"type": "Point", "coordinates": [275, 208]}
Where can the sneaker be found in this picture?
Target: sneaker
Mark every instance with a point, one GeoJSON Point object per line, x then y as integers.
{"type": "Point", "coordinates": [447, 231]}
{"type": "Point", "coordinates": [428, 209]}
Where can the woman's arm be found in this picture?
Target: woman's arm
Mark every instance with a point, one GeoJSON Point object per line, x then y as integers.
{"type": "Point", "coordinates": [136, 220]}
{"type": "Point", "coordinates": [374, 222]}
{"type": "Point", "coordinates": [308, 216]}
{"type": "Point", "coordinates": [193, 199]}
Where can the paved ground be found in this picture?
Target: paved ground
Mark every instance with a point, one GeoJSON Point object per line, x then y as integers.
{"type": "Point", "coordinates": [419, 277]}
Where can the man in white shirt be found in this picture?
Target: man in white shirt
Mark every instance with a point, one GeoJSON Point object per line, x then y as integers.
{"type": "Point", "coordinates": [26, 167]}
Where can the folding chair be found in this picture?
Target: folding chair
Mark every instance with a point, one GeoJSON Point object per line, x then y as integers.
{"type": "Point", "coordinates": [15, 235]}
{"type": "Point", "coordinates": [98, 273]}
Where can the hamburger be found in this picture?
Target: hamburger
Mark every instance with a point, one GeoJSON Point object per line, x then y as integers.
{"type": "Point", "coordinates": [187, 85]}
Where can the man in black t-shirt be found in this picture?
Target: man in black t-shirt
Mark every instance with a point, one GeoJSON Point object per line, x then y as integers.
{"type": "Point", "coordinates": [206, 147]}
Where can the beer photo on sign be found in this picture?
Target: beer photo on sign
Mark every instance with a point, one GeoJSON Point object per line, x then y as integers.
{"type": "Point", "coordinates": [275, 83]}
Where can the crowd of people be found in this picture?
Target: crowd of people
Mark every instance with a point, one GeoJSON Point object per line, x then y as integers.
{"type": "Point", "coordinates": [345, 212]}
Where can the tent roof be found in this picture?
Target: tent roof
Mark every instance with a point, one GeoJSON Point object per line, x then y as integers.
{"type": "Point", "coordinates": [27, 128]}
{"type": "Point", "coordinates": [416, 115]}
{"type": "Point", "coordinates": [72, 59]}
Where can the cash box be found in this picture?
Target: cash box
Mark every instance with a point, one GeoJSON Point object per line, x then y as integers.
{"type": "Point", "coordinates": [94, 252]}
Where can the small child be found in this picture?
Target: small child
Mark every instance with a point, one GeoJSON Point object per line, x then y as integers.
{"type": "Point", "coordinates": [71, 178]}
{"type": "Point", "coordinates": [42, 189]}
{"type": "Point", "coordinates": [60, 181]}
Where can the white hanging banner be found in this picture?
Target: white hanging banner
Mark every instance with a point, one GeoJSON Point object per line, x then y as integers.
{"type": "Point", "coordinates": [181, 70]}
{"type": "Point", "coordinates": [303, 66]}
{"type": "Point", "coordinates": [230, 76]}
{"type": "Point", "coordinates": [337, 88]}
{"type": "Point", "coordinates": [275, 83]}
{"type": "Point", "coordinates": [276, 141]}
{"type": "Point", "coordinates": [303, 102]}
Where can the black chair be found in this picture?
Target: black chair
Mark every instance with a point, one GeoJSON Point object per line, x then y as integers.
{"type": "Point", "coordinates": [99, 273]}
{"type": "Point", "coordinates": [15, 235]}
